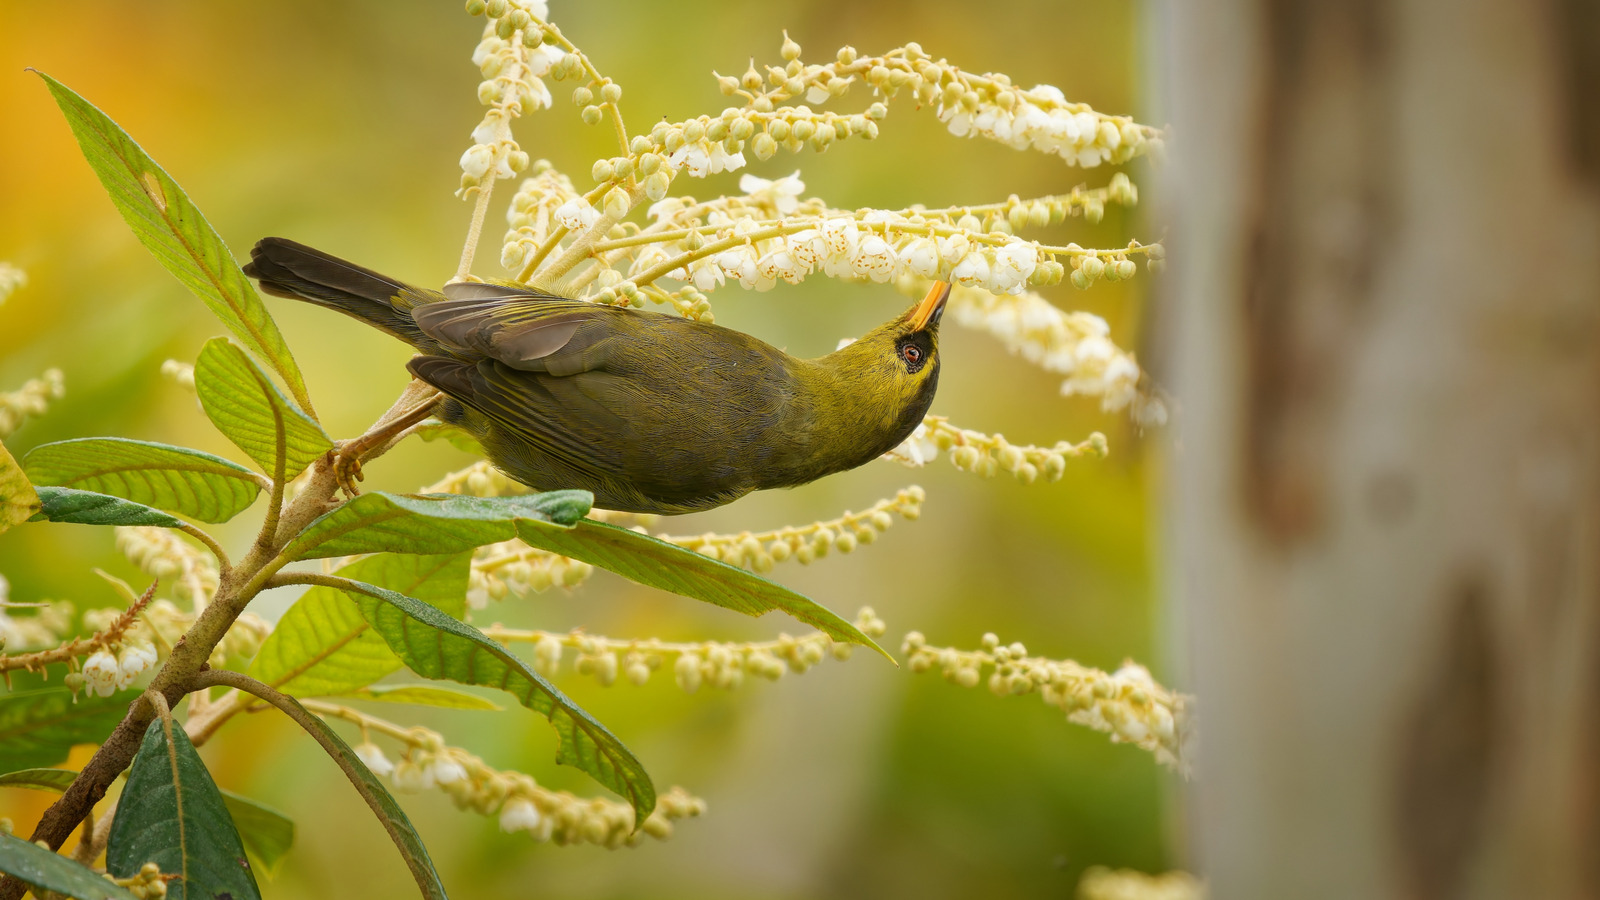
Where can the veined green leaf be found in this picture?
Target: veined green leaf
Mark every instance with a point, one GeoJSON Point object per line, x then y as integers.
{"type": "Point", "coordinates": [172, 228]}
{"type": "Point", "coordinates": [323, 646]}
{"type": "Point", "coordinates": [18, 502]}
{"type": "Point", "coordinates": [421, 695]}
{"type": "Point", "coordinates": [654, 562]}
{"type": "Point", "coordinates": [46, 870]}
{"type": "Point", "coordinates": [39, 727]}
{"type": "Point", "coordinates": [172, 814]}
{"type": "Point", "coordinates": [267, 833]}
{"type": "Point", "coordinates": [378, 522]}
{"type": "Point", "coordinates": [59, 504]}
{"type": "Point", "coordinates": [382, 804]}
{"type": "Point", "coordinates": [246, 406]}
{"type": "Point", "coordinates": [437, 646]}
{"type": "Point", "coordinates": [196, 484]}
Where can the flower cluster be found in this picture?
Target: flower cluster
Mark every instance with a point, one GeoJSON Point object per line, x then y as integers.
{"type": "Point", "coordinates": [146, 884]}
{"type": "Point", "coordinates": [1039, 118]}
{"type": "Point", "coordinates": [514, 568]}
{"type": "Point", "coordinates": [12, 279]}
{"type": "Point", "coordinates": [1101, 883]}
{"type": "Point", "coordinates": [513, 58]}
{"type": "Point", "coordinates": [1127, 703]}
{"type": "Point", "coordinates": [28, 401]}
{"type": "Point", "coordinates": [719, 664]}
{"type": "Point", "coordinates": [521, 803]}
{"type": "Point", "coordinates": [759, 551]}
{"type": "Point", "coordinates": [986, 454]}
{"type": "Point", "coordinates": [164, 555]}
{"type": "Point", "coordinates": [105, 672]}
{"type": "Point", "coordinates": [1076, 344]}
{"type": "Point", "coordinates": [544, 202]}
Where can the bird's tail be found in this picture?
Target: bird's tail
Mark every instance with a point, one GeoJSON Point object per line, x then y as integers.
{"type": "Point", "coordinates": [288, 269]}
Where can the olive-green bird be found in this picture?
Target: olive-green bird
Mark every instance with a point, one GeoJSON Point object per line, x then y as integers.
{"type": "Point", "coordinates": [651, 413]}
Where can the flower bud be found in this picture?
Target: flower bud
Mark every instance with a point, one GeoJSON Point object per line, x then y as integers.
{"type": "Point", "coordinates": [616, 203]}
{"type": "Point", "coordinates": [582, 97]}
{"type": "Point", "coordinates": [603, 170]}
{"type": "Point", "coordinates": [611, 92]}
{"type": "Point", "coordinates": [590, 115]}
{"type": "Point", "coordinates": [791, 50]}
{"type": "Point", "coordinates": [764, 146]}
{"type": "Point", "coordinates": [655, 186]}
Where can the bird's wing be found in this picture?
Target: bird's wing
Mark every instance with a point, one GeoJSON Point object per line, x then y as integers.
{"type": "Point", "coordinates": [550, 414]}
{"type": "Point", "coordinates": [523, 329]}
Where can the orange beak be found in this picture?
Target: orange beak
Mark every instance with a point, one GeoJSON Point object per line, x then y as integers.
{"type": "Point", "coordinates": [927, 312]}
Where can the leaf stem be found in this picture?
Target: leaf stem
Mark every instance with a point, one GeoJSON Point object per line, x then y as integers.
{"type": "Point", "coordinates": [204, 537]}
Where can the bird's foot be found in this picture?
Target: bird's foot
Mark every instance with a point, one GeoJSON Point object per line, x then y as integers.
{"type": "Point", "coordinates": [347, 471]}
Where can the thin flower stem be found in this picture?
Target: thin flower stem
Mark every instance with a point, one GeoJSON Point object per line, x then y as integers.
{"type": "Point", "coordinates": [552, 33]}
{"type": "Point", "coordinates": [480, 210]}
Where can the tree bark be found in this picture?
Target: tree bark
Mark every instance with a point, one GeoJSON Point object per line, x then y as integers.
{"type": "Point", "coordinates": [1384, 307]}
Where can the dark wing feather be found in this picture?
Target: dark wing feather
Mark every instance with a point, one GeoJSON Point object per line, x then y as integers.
{"type": "Point", "coordinates": [525, 330]}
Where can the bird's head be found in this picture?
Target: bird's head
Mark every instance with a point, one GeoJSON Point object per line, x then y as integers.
{"type": "Point", "coordinates": [897, 363]}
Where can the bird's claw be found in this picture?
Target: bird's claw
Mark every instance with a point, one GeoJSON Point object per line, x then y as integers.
{"type": "Point", "coordinates": [346, 472]}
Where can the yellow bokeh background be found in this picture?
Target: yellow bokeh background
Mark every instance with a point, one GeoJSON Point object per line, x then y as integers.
{"type": "Point", "coordinates": [340, 125]}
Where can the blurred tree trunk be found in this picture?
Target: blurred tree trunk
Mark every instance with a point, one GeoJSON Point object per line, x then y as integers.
{"type": "Point", "coordinates": [1385, 305]}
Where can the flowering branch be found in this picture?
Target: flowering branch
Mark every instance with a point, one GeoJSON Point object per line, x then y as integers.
{"type": "Point", "coordinates": [521, 803]}
{"type": "Point", "coordinates": [111, 634]}
{"type": "Point", "coordinates": [1127, 703]}
{"type": "Point", "coordinates": [720, 664]}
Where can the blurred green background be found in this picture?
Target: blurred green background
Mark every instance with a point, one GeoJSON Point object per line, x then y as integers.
{"type": "Point", "coordinates": [339, 124]}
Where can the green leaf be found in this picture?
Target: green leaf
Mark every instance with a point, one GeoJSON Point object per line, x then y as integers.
{"type": "Point", "coordinates": [195, 484]}
{"type": "Point", "coordinates": [172, 814]}
{"type": "Point", "coordinates": [455, 437]}
{"type": "Point", "coordinates": [421, 695]}
{"type": "Point", "coordinates": [437, 646]}
{"type": "Point", "coordinates": [246, 406]}
{"type": "Point", "coordinates": [380, 801]}
{"type": "Point", "coordinates": [59, 504]}
{"type": "Point", "coordinates": [377, 522]}
{"type": "Point", "coordinates": [18, 502]}
{"type": "Point", "coordinates": [654, 562]}
{"type": "Point", "coordinates": [55, 780]}
{"type": "Point", "coordinates": [32, 864]}
{"type": "Point", "coordinates": [322, 645]}
{"type": "Point", "coordinates": [267, 833]}
{"type": "Point", "coordinates": [38, 727]}
{"type": "Point", "coordinates": [169, 225]}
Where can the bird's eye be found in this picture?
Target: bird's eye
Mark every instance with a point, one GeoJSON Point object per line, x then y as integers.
{"type": "Point", "coordinates": [912, 353]}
